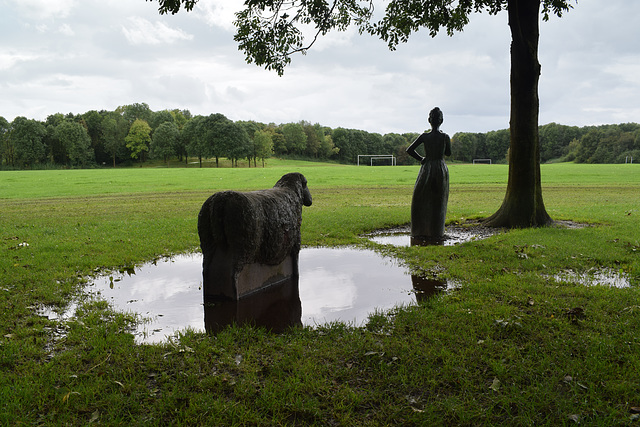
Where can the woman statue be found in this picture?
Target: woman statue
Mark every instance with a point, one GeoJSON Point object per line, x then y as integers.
{"type": "Point", "coordinates": [431, 192]}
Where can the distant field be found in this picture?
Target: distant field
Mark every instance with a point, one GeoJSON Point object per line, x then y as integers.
{"type": "Point", "coordinates": [69, 183]}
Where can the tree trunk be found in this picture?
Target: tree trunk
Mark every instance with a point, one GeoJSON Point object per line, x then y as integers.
{"type": "Point", "coordinates": [523, 205]}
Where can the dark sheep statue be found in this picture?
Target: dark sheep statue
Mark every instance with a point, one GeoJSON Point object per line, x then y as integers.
{"type": "Point", "coordinates": [251, 240]}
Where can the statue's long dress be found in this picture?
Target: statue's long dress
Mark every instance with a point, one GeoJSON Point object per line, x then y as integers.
{"type": "Point", "coordinates": [431, 192]}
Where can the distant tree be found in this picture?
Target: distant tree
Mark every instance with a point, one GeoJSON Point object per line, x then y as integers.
{"type": "Point", "coordinates": [26, 138]}
{"type": "Point", "coordinates": [164, 141]}
{"type": "Point", "coordinates": [342, 140]}
{"type": "Point", "coordinates": [232, 141]}
{"type": "Point", "coordinates": [56, 151]}
{"type": "Point", "coordinates": [159, 117]}
{"type": "Point", "coordinates": [375, 142]}
{"type": "Point", "coordinates": [92, 120]}
{"type": "Point", "coordinates": [391, 142]}
{"type": "Point", "coordinates": [555, 138]}
{"type": "Point", "coordinates": [251, 127]}
{"type": "Point", "coordinates": [77, 143]}
{"type": "Point", "coordinates": [263, 144]}
{"type": "Point", "coordinates": [6, 149]}
{"type": "Point", "coordinates": [327, 149]}
{"type": "Point", "coordinates": [181, 117]}
{"type": "Point", "coordinates": [315, 136]}
{"type": "Point", "coordinates": [463, 147]}
{"type": "Point", "coordinates": [295, 138]}
{"type": "Point", "coordinates": [195, 137]}
{"type": "Point", "coordinates": [217, 132]}
{"type": "Point", "coordinates": [138, 139]}
{"type": "Point", "coordinates": [137, 111]}
{"type": "Point", "coordinates": [279, 142]}
{"type": "Point", "coordinates": [114, 131]}
{"type": "Point", "coordinates": [497, 145]}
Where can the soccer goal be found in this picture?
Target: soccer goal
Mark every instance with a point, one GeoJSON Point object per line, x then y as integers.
{"type": "Point", "coordinates": [482, 161]}
{"type": "Point", "coordinates": [389, 157]}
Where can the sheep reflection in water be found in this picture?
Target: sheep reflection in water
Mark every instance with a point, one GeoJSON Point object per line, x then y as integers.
{"type": "Point", "coordinates": [335, 284]}
{"type": "Point", "coordinates": [275, 308]}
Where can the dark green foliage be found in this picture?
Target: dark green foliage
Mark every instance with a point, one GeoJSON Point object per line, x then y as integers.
{"type": "Point", "coordinates": [27, 142]}
{"type": "Point", "coordinates": [6, 150]}
{"type": "Point", "coordinates": [165, 140]}
{"type": "Point", "coordinates": [588, 144]}
{"type": "Point", "coordinates": [76, 142]}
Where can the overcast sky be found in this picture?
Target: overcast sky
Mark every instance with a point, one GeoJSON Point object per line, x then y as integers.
{"type": "Point", "coordinates": [80, 55]}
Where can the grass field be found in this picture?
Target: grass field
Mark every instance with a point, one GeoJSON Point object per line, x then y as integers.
{"type": "Point", "coordinates": [506, 348]}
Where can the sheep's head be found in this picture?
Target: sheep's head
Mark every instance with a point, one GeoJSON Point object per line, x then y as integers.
{"type": "Point", "coordinates": [297, 182]}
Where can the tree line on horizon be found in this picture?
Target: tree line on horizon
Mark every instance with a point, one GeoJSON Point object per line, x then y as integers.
{"type": "Point", "coordinates": [134, 134]}
{"type": "Point", "coordinates": [614, 143]}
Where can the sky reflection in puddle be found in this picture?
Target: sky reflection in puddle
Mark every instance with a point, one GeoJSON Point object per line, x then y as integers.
{"type": "Point", "coordinates": [336, 284]}
{"type": "Point", "coordinates": [454, 235]}
{"type": "Point", "coordinates": [594, 277]}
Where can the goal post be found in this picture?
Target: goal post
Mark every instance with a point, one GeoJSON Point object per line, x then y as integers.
{"type": "Point", "coordinates": [482, 161]}
{"type": "Point", "coordinates": [378, 156]}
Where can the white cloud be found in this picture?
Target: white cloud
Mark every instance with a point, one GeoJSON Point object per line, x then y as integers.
{"type": "Point", "coordinates": [141, 31]}
{"type": "Point", "coordinates": [11, 59]}
{"type": "Point", "coordinates": [65, 29]}
{"type": "Point", "coordinates": [44, 9]}
{"type": "Point", "coordinates": [219, 13]}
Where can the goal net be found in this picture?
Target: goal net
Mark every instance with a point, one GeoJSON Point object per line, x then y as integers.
{"type": "Point", "coordinates": [482, 161]}
{"type": "Point", "coordinates": [378, 159]}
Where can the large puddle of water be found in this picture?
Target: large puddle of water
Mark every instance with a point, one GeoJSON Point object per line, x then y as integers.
{"type": "Point", "coordinates": [335, 284]}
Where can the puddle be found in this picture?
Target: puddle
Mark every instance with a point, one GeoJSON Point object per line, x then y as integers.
{"type": "Point", "coordinates": [454, 235]}
{"type": "Point", "coordinates": [593, 277]}
{"type": "Point", "coordinates": [335, 284]}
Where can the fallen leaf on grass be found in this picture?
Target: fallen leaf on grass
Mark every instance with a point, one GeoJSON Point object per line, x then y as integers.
{"type": "Point", "coordinates": [65, 399]}
{"type": "Point", "coordinates": [495, 384]}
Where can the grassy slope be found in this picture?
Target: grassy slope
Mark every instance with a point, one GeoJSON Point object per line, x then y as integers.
{"type": "Point", "coordinates": [447, 361]}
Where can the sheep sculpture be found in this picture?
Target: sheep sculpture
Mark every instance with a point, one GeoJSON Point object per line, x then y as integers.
{"type": "Point", "coordinates": [251, 240]}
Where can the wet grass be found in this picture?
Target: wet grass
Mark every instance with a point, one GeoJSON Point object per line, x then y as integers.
{"type": "Point", "coordinates": [512, 346]}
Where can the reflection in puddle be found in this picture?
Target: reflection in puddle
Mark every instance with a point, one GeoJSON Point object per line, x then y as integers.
{"type": "Point", "coordinates": [603, 276]}
{"type": "Point", "coordinates": [335, 284]}
{"type": "Point", "coordinates": [425, 287]}
{"type": "Point", "coordinates": [454, 235]}
{"type": "Point", "coordinates": [276, 308]}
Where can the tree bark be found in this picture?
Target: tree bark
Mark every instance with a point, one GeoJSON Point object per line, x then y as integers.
{"type": "Point", "coordinates": [523, 205]}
